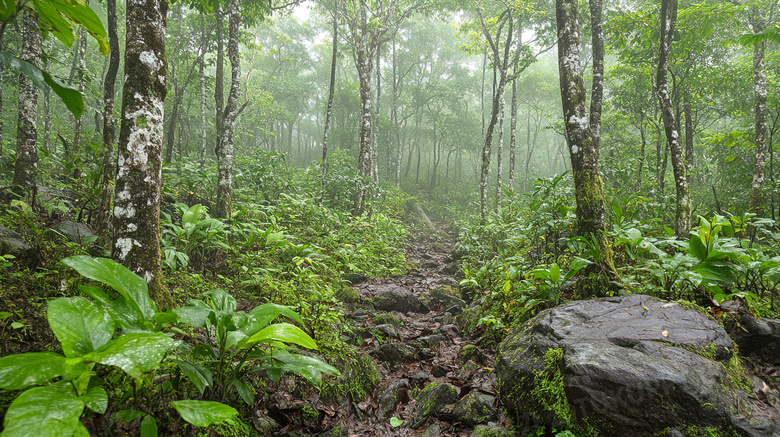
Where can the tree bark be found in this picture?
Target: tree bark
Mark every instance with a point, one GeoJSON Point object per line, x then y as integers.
{"type": "Point", "coordinates": [760, 86]}
{"type": "Point", "coordinates": [82, 79]}
{"type": "Point", "coordinates": [46, 114]}
{"type": "Point", "coordinates": [500, 150]}
{"type": "Point", "coordinates": [399, 146]}
{"type": "Point", "coordinates": [224, 207]}
{"type": "Point", "coordinates": [331, 92]}
{"type": "Point", "coordinates": [26, 166]}
{"type": "Point", "coordinates": [139, 178]}
{"type": "Point", "coordinates": [671, 127]}
{"type": "Point", "coordinates": [582, 133]}
{"type": "Point", "coordinates": [109, 124]}
{"type": "Point", "coordinates": [202, 77]}
{"type": "Point", "coordinates": [512, 135]}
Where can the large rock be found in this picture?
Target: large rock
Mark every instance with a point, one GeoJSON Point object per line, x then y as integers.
{"type": "Point", "coordinates": [394, 298]}
{"type": "Point", "coordinates": [431, 400]}
{"type": "Point", "coordinates": [630, 366]}
{"type": "Point", "coordinates": [74, 231]}
{"type": "Point", "coordinates": [11, 243]}
{"type": "Point", "coordinates": [760, 337]}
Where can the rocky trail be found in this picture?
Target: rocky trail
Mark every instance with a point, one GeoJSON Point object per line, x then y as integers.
{"type": "Point", "coordinates": [431, 378]}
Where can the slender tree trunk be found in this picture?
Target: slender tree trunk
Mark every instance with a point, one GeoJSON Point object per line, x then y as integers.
{"type": "Point", "coordinates": [688, 133]}
{"type": "Point", "coordinates": [224, 207]}
{"type": "Point", "coordinates": [683, 199]}
{"type": "Point", "coordinates": [641, 156]}
{"type": "Point", "coordinates": [26, 167]}
{"type": "Point", "coordinates": [82, 80]}
{"type": "Point", "coordinates": [331, 92]}
{"type": "Point", "coordinates": [760, 86]}
{"type": "Point", "coordinates": [396, 128]}
{"type": "Point", "coordinates": [364, 66]}
{"type": "Point", "coordinates": [377, 122]}
{"type": "Point", "coordinates": [512, 135]}
{"type": "Point", "coordinates": [219, 79]}
{"type": "Point", "coordinates": [109, 126]}
{"type": "Point", "coordinates": [202, 77]}
{"type": "Point", "coordinates": [582, 132]}
{"type": "Point", "coordinates": [500, 152]}
{"type": "Point", "coordinates": [2, 127]}
{"type": "Point", "coordinates": [138, 181]}
{"type": "Point", "coordinates": [46, 114]}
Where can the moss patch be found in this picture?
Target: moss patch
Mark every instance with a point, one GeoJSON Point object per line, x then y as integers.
{"type": "Point", "coordinates": [359, 378]}
{"type": "Point", "coordinates": [348, 295]}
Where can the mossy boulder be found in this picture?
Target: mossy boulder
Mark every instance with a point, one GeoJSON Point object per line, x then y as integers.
{"type": "Point", "coordinates": [390, 297]}
{"type": "Point", "coordinates": [632, 365]}
{"type": "Point", "coordinates": [387, 319]}
{"type": "Point", "coordinates": [475, 408]}
{"type": "Point", "coordinates": [348, 295]}
{"type": "Point", "coordinates": [469, 318]}
{"type": "Point", "coordinates": [395, 353]}
{"type": "Point", "coordinates": [359, 377]}
{"type": "Point", "coordinates": [440, 299]}
{"type": "Point", "coordinates": [469, 352]}
{"type": "Point", "coordinates": [431, 400]}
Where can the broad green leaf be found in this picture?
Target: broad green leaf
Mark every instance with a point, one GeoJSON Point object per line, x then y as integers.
{"type": "Point", "coordinates": [221, 300]}
{"type": "Point", "coordinates": [8, 9]}
{"type": "Point", "coordinates": [697, 248]}
{"type": "Point", "coordinates": [51, 17]}
{"type": "Point", "coordinates": [204, 413]}
{"type": "Point", "coordinates": [81, 325]}
{"type": "Point", "coordinates": [193, 315]}
{"type": "Point", "coordinates": [84, 15]}
{"type": "Point", "coordinates": [128, 416]}
{"type": "Point", "coordinates": [22, 370]}
{"type": "Point", "coordinates": [244, 390]}
{"type": "Point", "coordinates": [284, 332]}
{"type": "Point", "coordinates": [396, 422]}
{"type": "Point", "coordinates": [135, 353]}
{"type": "Point", "coordinates": [43, 80]}
{"type": "Point", "coordinates": [116, 276]}
{"type": "Point", "coordinates": [577, 264]}
{"type": "Point", "coordinates": [96, 399]}
{"type": "Point", "coordinates": [555, 273]}
{"type": "Point", "coordinates": [714, 272]}
{"type": "Point", "coordinates": [265, 314]}
{"type": "Point", "coordinates": [80, 431]}
{"type": "Point", "coordinates": [149, 426]}
{"type": "Point", "coordinates": [51, 411]}
{"type": "Point", "coordinates": [199, 375]}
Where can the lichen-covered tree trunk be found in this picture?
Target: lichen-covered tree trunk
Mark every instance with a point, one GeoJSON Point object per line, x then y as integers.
{"type": "Point", "coordinates": [500, 150]}
{"type": "Point", "coordinates": [202, 77]}
{"type": "Point", "coordinates": [377, 120]}
{"type": "Point", "coordinates": [399, 146]}
{"type": "Point", "coordinates": [2, 126]}
{"type": "Point", "coordinates": [46, 113]}
{"type": "Point", "coordinates": [512, 135]}
{"type": "Point", "coordinates": [26, 166]}
{"type": "Point", "coordinates": [82, 80]}
{"type": "Point", "coordinates": [364, 67]}
{"type": "Point", "coordinates": [683, 199]}
{"type": "Point", "coordinates": [760, 86]}
{"type": "Point", "coordinates": [688, 132]}
{"type": "Point", "coordinates": [224, 207]}
{"type": "Point", "coordinates": [331, 92]}
{"type": "Point", "coordinates": [139, 176]}
{"type": "Point", "coordinates": [582, 135]}
{"type": "Point", "coordinates": [109, 124]}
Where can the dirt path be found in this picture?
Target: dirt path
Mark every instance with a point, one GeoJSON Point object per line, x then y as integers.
{"type": "Point", "coordinates": [421, 347]}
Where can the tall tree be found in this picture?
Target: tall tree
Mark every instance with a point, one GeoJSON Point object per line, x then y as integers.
{"type": "Point", "coordinates": [109, 122]}
{"type": "Point", "coordinates": [26, 166]}
{"type": "Point", "coordinates": [683, 198]}
{"type": "Point", "coordinates": [81, 76]}
{"type": "Point", "coordinates": [224, 151]}
{"type": "Point", "coordinates": [331, 91]}
{"type": "Point", "coordinates": [757, 22]}
{"type": "Point", "coordinates": [583, 131]}
{"type": "Point", "coordinates": [139, 176]}
{"type": "Point", "coordinates": [367, 37]}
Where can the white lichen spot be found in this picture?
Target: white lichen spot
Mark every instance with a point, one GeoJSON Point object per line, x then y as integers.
{"type": "Point", "coordinates": [128, 212]}
{"type": "Point", "coordinates": [148, 276]}
{"type": "Point", "coordinates": [149, 59]}
{"type": "Point", "coordinates": [123, 195]}
{"type": "Point", "coordinates": [575, 150]}
{"type": "Point", "coordinates": [132, 227]}
{"type": "Point", "coordinates": [124, 245]}
{"type": "Point", "coordinates": [578, 121]}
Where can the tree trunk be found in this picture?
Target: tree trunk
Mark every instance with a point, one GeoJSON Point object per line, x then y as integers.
{"type": "Point", "coordinates": [688, 133]}
{"type": "Point", "coordinates": [582, 134]}
{"type": "Point", "coordinates": [109, 125]}
{"type": "Point", "coordinates": [26, 166]}
{"type": "Point", "coordinates": [219, 78]}
{"type": "Point", "coordinates": [331, 92]}
{"type": "Point", "coordinates": [364, 67]}
{"type": "Point", "coordinates": [224, 207]}
{"type": "Point", "coordinates": [500, 151]}
{"type": "Point", "coordinates": [46, 114]}
{"type": "Point", "coordinates": [202, 77]}
{"type": "Point", "coordinates": [82, 79]}
{"type": "Point", "coordinates": [512, 135]}
{"type": "Point", "coordinates": [399, 146]}
{"type": "Point", "coordinates": [683, 199]}
{"type": "Point", "coordinates": [377, 121]}
{"type": "Point", "coordinates": [760, 86]}
{"type": "Point", "coordinates": [138, 182]}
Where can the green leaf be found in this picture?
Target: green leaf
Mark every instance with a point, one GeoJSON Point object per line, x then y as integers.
{"type": "Point", "coordinates": [135, 353]}
{"type": "Point", "coordinates": [116, 276]}
{"type": "Point", "coordinates": [70, 97]}
{"type": "Point", "coordinates": [576, 265]}
{"type": "Point", "coordinates": [80, 431]}
{"type": "Point", "coordinates": [149, 426]}
{"type": "Point", "coordinates": [190, 218]}
{"type": "Point", "coordinates": [81, 325]}
{"type": "Point", "coordinates": [396, 422]}
{"type": "Point", "coordinates": [555, 273]}
{"type": "Point", "coordinates": [221, 300]}
{"type": "Point", "coordinates": [264, 314]}
{"type": "Point", "coordinates": [308, 367]}
{"type": "Point", "coordinates": [128, 416]}
{"type": "Point", "coordinates": [204, 413]}
{"type": "Point", "coordinates": [58, 25]}
{"type": "Point", "coordinates": [200, 376]}
{"type": "Point", "coordinates": [244, 390]}
{"type": "Point", "coordinates": [284, 332]}
{"type": "Point", "coordinates": [696, 248]}
{"type": "Point", "coordinates": [193, 314]}
{"type": "Point", "coordinates": [96, 399]}
{"type": "Point", "coordinates": [22, 370]}
{"type": "Point", "coordinates": [51, 411]}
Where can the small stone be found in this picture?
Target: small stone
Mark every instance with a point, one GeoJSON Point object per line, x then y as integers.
{"type": "Point", "coordinates": [429, 265]}
{"type": "Point", "coordinates": [395, 298]}
{"type": "Point", "coordinates": [475, 408]}
{"type": "Point", "coordinates": [450, 329]}
{"type": "Point", "coordinates": [470, 352]}
{"type": "Point", "coordinates": [438, 371]}
{"type": "Point", "coordinates": [73, 231]}
{"type": "Point", "coordinates": [390, 397]}
{"type": "Point", "coordinates": [432, 431]}
{"type": "Point", "coordinates": [394, 353]}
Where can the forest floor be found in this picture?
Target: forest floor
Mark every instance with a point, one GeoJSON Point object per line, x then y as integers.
{"type": "Point", "coordinates": [413, 348]}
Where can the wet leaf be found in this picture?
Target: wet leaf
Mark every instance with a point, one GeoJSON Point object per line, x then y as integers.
{"type": "Point", "coordinates": [204, 413]}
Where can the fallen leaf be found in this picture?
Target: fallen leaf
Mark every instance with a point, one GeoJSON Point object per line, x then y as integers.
{"type": "Point", "coordinates": [665, 333]}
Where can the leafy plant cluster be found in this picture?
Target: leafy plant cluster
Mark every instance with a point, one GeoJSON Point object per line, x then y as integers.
{"type": "Point", "coordinates": [120, 355]}
{"type": "Point", "coordinates": [527, 256]}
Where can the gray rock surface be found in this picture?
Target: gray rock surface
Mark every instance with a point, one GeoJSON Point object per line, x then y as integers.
{"type": "Point", "coordinates": [440, 300]}
{"type": "Point", "coordinates": [629, 366]}
{"type": "Point", "coordinates": [431, 400]}
{"type": "Point", "coordinates": [395, 353]}
{"type": "Point", "coordinates": [475, 408]}
{"type": "Point", "coordinates": [391, 297]}
{"type": "Point", "coordinates": [73, 231]}
{"type": "Point", "coordinates": [11, 243]}
{"type": "Point", "coordinates": [759, 337]}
